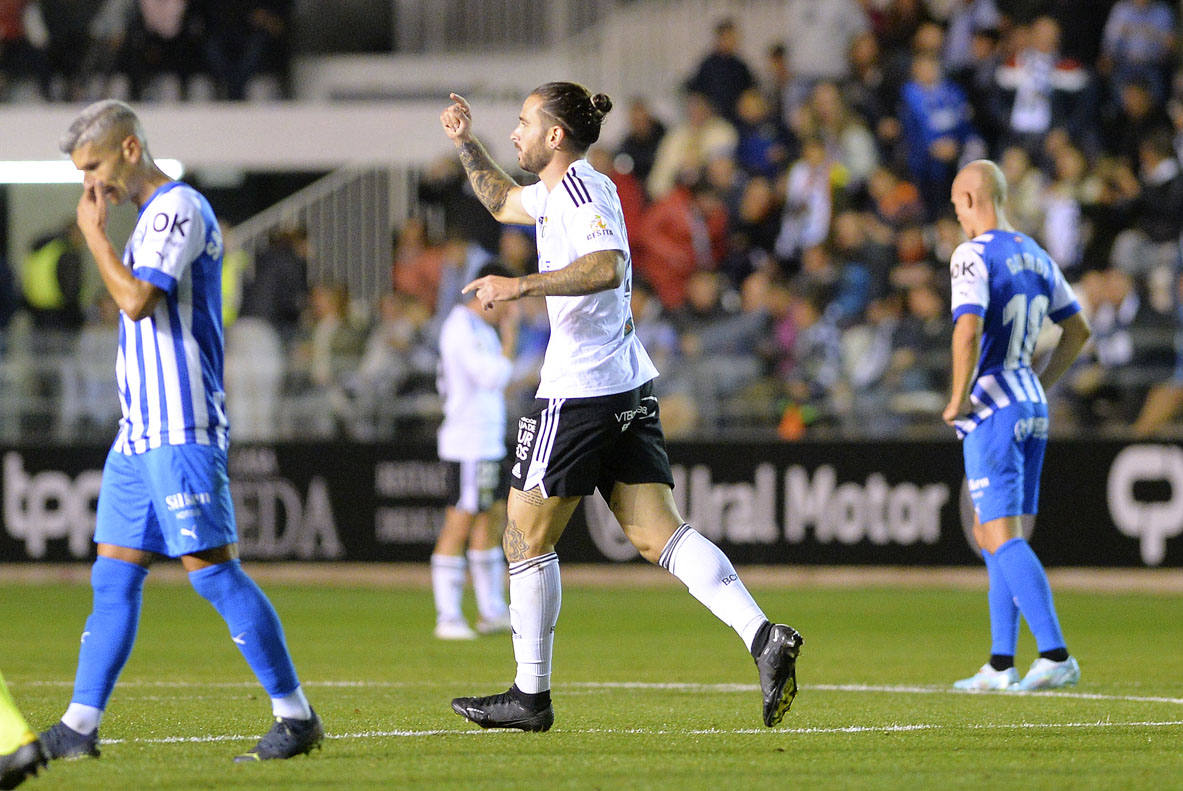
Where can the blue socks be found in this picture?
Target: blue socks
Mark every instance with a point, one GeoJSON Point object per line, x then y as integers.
{"type": "Point", "coordinates": [254, 626]}
{"type": "Point", "coordinates": [1004, 613]}
{"type": "Point", "coordinates": [1026, 580]}
{"type": "Point", "coordinates": [110, 630]}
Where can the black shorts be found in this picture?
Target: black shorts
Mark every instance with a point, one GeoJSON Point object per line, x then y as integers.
{"type": "Point", "coordinates": [571, 446]}
{"type": "Point", "coordinates": [473, 486]}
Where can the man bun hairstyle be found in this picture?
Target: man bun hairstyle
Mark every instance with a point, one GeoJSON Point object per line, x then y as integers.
{"type": "Point", "coordinates": [578, 111]}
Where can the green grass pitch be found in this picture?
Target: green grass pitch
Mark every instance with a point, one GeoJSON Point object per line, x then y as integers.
{"type": "Point", "coordinates": [650, 693]}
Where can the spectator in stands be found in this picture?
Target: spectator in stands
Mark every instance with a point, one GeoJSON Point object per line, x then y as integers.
{"type": "Point", "coordinates": [246, 46]}
{"type": "Point", "coordinates": [684, 232]}
{"type": "Point", "coordinates": [1139, 114]}
{"type": "Point", "coordinates": [1026, 185]}
{"type": "Point", "coordinates": [936, 131]}
{"type": "Point", "coordinates": [966, 19]}
{"type": "Point", "coordinates": [517, 251]}
{"type": "Point", "coordinates": [852, 242]}
{"type": "Point", "coordinates": [1137, 44]}
{"type": "Point", "coordinates": [819, 35]}
{"type": "Point", "coordinates": [24, 67]}
{"type": "Point", "coordinates": [718, 344]}
{"type": "Point", "coordinates": [766, 146]}
{"type": "Point", "coordinates": [898, 27]}
{"type": "Point", "coordinates": [784, 93]}
{"type": "Point", "coordinates": [846, 137]}
{"type": "Point", "coordinates": [331, 349]}
{"type": "Point", "coordinates": [259, 341]}
{"type": "Point", "coordinates": [1132, 348]}
{"type": "Point", "coordinates": [752, 231]}
{"type": "Point", "coordinates": [638, 149]}
{"type": "Point", "coordinates": [444, 189]}
{"type": "Point", "coordinates": [686, 149]}
{"type": "Point", "coordinates": [1062, 218]}
{"type": "Point", "coordinates": [871, 93]}
{"type": "Point", "coordinates": [417, 263]}
{"type": "Point", "coordinates": [160, 55]}
{"type": "Point", "coordinates": [66, 23]}
{"type": "Point", "coordinates": [1152, 206]}
{"type": "Point", "coordinates": [847, 284]}
{"type": "Point", "coordinates": [277, 289]}
{"type": "Point", "coordinates": [874, 365]}
{"type": "Point", "coordinates": [52, 282]}
{"type": "Point", "coordinates": [809, 202]}
{"type": "Point", "coordinates": [1040, 90]}
{"type": "Point", "coordinates": [923, 343]}
{"type": "Point", "coordinates": [813, 369]}
{"type": "Point", "coordinates": [395, 355]}
{"type": "Point", "coordinates": [895, 201]}
{"type": "Point", "coordinates": [722, 76]}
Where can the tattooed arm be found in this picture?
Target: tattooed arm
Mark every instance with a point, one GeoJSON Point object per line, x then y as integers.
{"type": "Point", "coordinates": [598, 271]}
{"type": "Point", "coordinates": [500, 193]}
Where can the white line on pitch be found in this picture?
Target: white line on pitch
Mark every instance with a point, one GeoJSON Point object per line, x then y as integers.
{"type": "Point", "coordinates": [689, 731]}
{"type": "Point", "coordinates": [672, 687]}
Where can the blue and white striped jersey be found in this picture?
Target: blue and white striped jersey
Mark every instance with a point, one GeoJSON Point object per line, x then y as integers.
{"type": "Point", "coordinates": [169, 365]}
{"type": "Point", "coordinates": [1013, 284]}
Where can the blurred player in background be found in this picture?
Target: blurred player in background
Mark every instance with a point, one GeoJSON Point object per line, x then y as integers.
{"type": "Point", "coordinates": [1004, 285]}
{"type": "Point", "coordinates": [597, 422]}
{"type": "Point", "coordinates": [165, 488]}
{"type": "Point", "coordinates": [475, 366]}
{"type": "Point", "coordinates": [21, 755]}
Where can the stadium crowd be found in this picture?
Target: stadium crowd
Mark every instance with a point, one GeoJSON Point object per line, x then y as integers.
{"type": "Point", "coordinates": [791, 231]}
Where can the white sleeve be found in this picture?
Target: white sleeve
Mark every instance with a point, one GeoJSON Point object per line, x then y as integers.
{"type": "Point", "coordinates": [594, 226]}
{"type": "Point", "coordinates": [174, 237]}
{"type": "Point", "coordinates": [534, 199]}
{"type": "Point", "coordinates": [971, 281]}
{"type": "Point", "coordinates": [1064, 302]}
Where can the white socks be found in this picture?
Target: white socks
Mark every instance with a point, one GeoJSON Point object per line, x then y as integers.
{"type": "Point", "coordinates": [293, 706]}
{"type": "Point", "coordinates": [487, 567]}
{"type": "Point", "coordinates": [82, 718]}
{"type": "Point", "coordinates": [447, 584]}
{"type": "Point", "coordinates": [535, 596]}
{"type": "Point", "coordinates": [710, 577]}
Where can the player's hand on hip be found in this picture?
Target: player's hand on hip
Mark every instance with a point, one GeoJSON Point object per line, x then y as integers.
{"type": "Point", "coordinates": [457, 119]}
{"type": "Point", "coordinates": [491, 288]}
{"type": "Point", "coordinates": [953, 412]}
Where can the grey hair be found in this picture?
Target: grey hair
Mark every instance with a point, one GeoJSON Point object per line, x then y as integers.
{"type": "Point", "coordinates": [97, 122]}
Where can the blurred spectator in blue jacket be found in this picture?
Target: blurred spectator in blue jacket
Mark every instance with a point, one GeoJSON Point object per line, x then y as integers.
{"type": "Point", "coordinates": [935, 117]}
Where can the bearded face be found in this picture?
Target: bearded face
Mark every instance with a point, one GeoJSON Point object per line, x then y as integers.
{"type": "Point", "coordinates": [530, 136]}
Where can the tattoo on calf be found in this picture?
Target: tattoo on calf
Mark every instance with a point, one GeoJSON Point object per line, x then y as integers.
{"type": "Point", "coordinates": [515, 543]}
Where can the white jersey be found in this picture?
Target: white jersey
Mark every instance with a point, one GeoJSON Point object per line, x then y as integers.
{"type": "Point", "coordinates": [169, 365]}
{"type": "Point", "coordinates": [472, 377]}
{"type": "Point", "coordinates": [593, 348]}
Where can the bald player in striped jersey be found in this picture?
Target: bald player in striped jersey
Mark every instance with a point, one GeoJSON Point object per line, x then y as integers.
{"type": "Point", "coordinates": [1004, 286]}
{"type": "Point", "coordinates": [165, 488]}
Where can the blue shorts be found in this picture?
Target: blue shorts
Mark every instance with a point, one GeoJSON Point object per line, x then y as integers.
{"type": "Point", "coordinates": [1004, 459]}
{"type": "Point", "coordinates": [173, 500]}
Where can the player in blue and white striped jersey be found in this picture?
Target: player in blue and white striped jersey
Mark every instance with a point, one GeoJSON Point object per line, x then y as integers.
{"type": "Point", "coordinates": [165, 488]}
{"type": "Point", "coordinates": [1004, 286]}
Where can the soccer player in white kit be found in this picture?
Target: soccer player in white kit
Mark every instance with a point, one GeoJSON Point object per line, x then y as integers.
{"type": "Point", "coordinates": [597, 423]}
{"type": "Point", "coordinates": [475, 366]}
{"type": "Point", "coordinates": [165, 487]}
{"type": "Point", "coordinates": [1004, 285]}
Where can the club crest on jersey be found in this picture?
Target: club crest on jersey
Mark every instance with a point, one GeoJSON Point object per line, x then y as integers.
{"type": "Point", "coordinates": [598, 228]}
